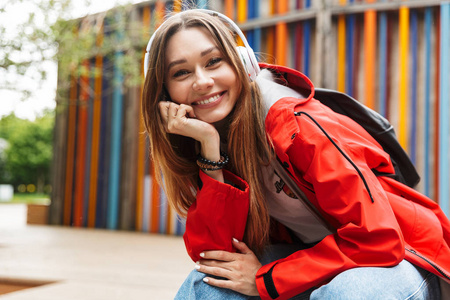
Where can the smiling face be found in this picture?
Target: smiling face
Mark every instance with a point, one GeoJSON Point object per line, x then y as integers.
{"type": "Point", "coordinates": [199, 75]}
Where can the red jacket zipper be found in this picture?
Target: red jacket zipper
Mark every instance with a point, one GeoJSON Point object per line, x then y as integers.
{"type": "Point", "coordinates": [442, 272]}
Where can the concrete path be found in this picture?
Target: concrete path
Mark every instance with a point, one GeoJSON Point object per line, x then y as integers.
{"type": "Point", "coordinates": [87, 264]}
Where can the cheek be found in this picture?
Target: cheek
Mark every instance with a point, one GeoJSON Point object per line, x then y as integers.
{"type": "Point", "coordinates": [177, 92]}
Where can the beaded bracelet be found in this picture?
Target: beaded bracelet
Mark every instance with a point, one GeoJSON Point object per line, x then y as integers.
{"type": "Point", "coordinates": [208, 165]}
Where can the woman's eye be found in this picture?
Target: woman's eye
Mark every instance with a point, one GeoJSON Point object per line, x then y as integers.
{"type": "Point", "coordinates": [180, 73]}
{"type": "Point", "coordinates": [214, 61]}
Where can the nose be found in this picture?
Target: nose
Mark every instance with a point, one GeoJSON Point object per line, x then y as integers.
{"type": "Point", "coordinates": [203, 80]}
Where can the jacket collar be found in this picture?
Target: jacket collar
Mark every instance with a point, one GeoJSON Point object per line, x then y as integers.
{"type": "Point", "coordinates": [282, 90]}
{"type": "Point", "coordinates": [296, 82]}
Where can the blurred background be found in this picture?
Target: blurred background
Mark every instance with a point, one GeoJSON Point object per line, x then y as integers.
{"type": "Point", "coordinates": [71, 135]}
{"type": "Point", "coordinates": [72, 142]}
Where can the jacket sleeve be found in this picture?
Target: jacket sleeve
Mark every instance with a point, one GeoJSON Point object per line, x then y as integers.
{"type": "Point", "coordinates": [218, 215]}
{"type": "Point", "coordinates": [367, 233]}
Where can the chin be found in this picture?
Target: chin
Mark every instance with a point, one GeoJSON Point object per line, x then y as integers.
{"type": "Point", "coordinates": [213, 118]}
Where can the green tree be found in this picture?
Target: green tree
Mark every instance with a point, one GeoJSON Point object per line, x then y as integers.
{"type": "Point", "coordinates": [49, 33]}
{"type": "Point", "coordinates": [29, 153]}
{"type": "Point", "coordinates": [8, 124]}
{"type": "Point", "coordinates": [4, 175]}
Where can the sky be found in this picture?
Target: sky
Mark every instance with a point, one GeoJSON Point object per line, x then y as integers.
{"type": "Point", "coordinates": [43, 95]}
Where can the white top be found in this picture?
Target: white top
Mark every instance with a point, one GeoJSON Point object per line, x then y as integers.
{"type": "Point", "coordinates": [282, 203]}
{"type": "Point", "coordinates": [290, 211]}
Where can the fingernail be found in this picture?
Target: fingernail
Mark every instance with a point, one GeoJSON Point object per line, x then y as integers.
{"type": "Point", "coordinates": [202, 254]}
{"type": "Point", "coordinates": [235, 240]}
{"type": "Point", "coordinates": [197, 262]}
{"type": "Point", "coordinates": [205, 279]}
{"type": "Point", "coordinates": [197, 267]}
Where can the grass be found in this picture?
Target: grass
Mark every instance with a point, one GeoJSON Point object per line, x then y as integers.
{"type": "Point", "coordinates": [31, 198]}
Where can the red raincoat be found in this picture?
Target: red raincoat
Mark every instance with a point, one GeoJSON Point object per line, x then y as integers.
{"type": "Point", "coordinates": [378, 221]}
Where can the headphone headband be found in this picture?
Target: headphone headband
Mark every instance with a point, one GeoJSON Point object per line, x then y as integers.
{"type": "Point", "coordinates": [245, 54]}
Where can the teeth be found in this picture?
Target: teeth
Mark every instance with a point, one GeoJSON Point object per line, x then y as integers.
{"type": "Point", "coordinates": [212, 99]}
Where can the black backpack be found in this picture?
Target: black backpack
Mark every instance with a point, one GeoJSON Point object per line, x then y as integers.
{"type": "Point", "coordinates": [377, 126]}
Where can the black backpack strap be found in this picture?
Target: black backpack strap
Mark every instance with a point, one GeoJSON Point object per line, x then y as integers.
{"type": "Point", "coordinates": [377, 126]}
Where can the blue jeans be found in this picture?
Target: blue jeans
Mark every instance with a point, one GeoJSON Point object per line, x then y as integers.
{"type": "Point", "coordinates": [404, 281]}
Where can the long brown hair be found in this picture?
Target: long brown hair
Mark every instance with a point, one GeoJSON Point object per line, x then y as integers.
{"type": "Point", "coordinates": [174, 156]}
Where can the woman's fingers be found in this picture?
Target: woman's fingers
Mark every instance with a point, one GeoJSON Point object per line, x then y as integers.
{"type": "Point", "coordinates": [226, 284]}
{"type": "Point", "coordinates": [237, 274]}
{"type": "Point", "coordinates": [239, 268]}
{"type": "Point", "coordinates": [241, 247]}
{"type": "Point", "coordinates": [175, 116]}
{"type": "Point", "coordinates": [164, 110]}
{"type": "Point", "coordinates": [181, 119]}
{"type": "Point", "coordinates": [218, 270]}
{"type": "Point", "coordinates": [218, 255]}
{"type": "Point", "coordinates": [173, 110]}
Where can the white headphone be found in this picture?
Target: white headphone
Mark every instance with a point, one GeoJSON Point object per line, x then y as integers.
{"type": "Point", "coordinates": [246, 54]}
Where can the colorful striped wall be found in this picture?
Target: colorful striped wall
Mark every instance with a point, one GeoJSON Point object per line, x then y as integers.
{"type": "Point", "coordinates": [391, 55]}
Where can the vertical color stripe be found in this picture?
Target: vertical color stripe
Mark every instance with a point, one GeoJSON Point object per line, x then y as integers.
{"type": "Point", "coordinates": [389, 58]}
{"type": "Point", "coordinates": [356, 59]}
{"type": "Point", "coordinates": [141, 140]}
{"type": "Point", "coordinates": [81, 147]}
{"type": "Point", "coordinates": [307, 42]}
{"type": "Point", "coordinates": [444, 130]}
{"type": "Point", "coordinates": [116, 136]}
{"type": "Point", "coordinates": [270, 34]}
{"type": "Point", "coordinates": [229, 5]}
{"type": "Point", "coordinates": [102, 193]}
{"type": "Point", "coordinates": [370, 34]}
{"type": "Point", "coordinates": [382, 63]}
{"type": "Point", "coordinates": [298, 45]}
{"type": "Point", "coordinates": [177, 5]}
{"type": "Point", "coordinates": [403, 76]}
{"type": "Point", "coordinates": [95, 133]}
{"type": "Point", "coordinates": [298, 63]}
{"type": "Point", "coordinates": [70, 151]}
{"type": "Point", "coordinates": [341, 53]}
{"type": "Point", "coordinates": [437, 55]}
{"type": "Point", "coordinates": [349, 52]}
{"type": "Point", "coordinates": [164, 216]}
{"type": "Point", "coordinates": [250, 15]}
{"type": "Point", "coordinates": [146, 204]}
{"type": "Point", "coordinates": [413, 87]}
{"type": "Point", "coordinates": [87, 170]}
{"type": "Point", "coordinates": [427, 102]}
{"type": "Point", "coordinates": [241, 10]}
{"type": "Point", "coordinates": [202, 4]}
{"type": "Point", "coordinates": [257, 37]}
{"type": "Point", "coordinates": [281, 34]}
{"type": "Point", "coordinates": [155, 202]}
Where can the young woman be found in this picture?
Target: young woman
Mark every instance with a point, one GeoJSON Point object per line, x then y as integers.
{"type": "Point", "coordinates": [227, 146]}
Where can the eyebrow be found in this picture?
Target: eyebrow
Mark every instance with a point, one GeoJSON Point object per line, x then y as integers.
{"type": "Point", "coordinates": [180, 61]}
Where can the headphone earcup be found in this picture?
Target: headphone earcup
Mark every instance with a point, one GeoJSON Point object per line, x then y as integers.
{"type": "Point", "coordinates": [247, 62]}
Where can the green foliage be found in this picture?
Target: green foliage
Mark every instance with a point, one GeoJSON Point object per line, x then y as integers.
{"type": "Point", "coordinates": [49, 34]}
{"type": "Point", "coordinates": [29, 151]}
{"type": "Point", "coordinates": [83, 41]}
{"type": "Point", "coordinates": [7, 126]}
{"type": "Point", "coordinates": [28, 45]}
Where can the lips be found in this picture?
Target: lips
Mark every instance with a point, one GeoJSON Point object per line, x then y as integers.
{"type": "Point", "coordinates": [209, 101]}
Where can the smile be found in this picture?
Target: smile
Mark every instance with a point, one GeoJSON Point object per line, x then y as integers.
{"type": "Point", "coordinates": [209, 100]}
